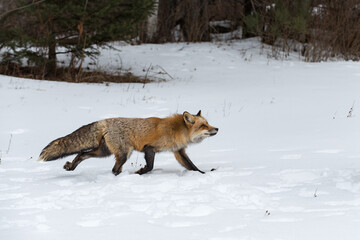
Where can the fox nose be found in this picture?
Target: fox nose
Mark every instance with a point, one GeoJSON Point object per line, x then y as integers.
{"type": "Point", "coordinates": [216, 129]}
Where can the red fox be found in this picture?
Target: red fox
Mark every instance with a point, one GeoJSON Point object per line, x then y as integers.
{"type": "Point", "coordinates": [120, 136]}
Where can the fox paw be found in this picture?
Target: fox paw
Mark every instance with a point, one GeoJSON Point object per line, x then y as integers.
{"type": "Point", "coordinates": [116, 172]}
{"type": "Point", "coordinates": [143, 170]}
{"type": "Point", "coordinates": [68, 166]}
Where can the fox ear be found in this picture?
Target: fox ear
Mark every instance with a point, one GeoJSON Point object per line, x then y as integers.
{"type": "Point", "coordinates": [199, 114]}
{"type": "Point", "coordinates": [188, 118]}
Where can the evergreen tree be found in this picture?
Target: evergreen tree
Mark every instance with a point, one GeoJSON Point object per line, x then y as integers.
{"type": "Point", "coordinates": [36, 32]}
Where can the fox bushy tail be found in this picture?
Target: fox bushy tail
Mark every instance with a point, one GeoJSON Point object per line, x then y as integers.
{"type": "Point", "coordinates": [83, 139]}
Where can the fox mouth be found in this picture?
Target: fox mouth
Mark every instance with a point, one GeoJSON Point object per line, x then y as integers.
{"type": "Point", "coordinates": [213, 132]}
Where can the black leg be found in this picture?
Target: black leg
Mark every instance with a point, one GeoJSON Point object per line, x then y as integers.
{"type": "Point", "coordinates": [120, 160]}
{"type": "Point", "coordinates": [185, 161]}
{"type": "Point", "coordinates": [149, 158]}
{"type": "Point", "coordinates": [101, 151]}
{"type": "Point", "coordinates": [70, 166]}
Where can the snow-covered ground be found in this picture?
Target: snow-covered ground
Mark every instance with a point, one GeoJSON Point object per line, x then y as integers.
{"type": "Point", "coordinates": [287, 154]}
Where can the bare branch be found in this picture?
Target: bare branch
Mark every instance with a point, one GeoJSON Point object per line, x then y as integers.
{"type": "Point", "coordinates": [20, 8]}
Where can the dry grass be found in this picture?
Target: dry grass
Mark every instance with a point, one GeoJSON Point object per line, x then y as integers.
{"type": "Point", "coordinates": [70, 75]}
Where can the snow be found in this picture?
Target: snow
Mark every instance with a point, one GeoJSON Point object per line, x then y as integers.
{"type": "Point", "coordinates": [287, 157]}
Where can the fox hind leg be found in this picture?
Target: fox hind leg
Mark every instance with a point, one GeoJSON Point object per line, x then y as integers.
{"type": "Point", "coordinates": [101, 151]}
{"type": "Point", "coordinates": [120, 160]}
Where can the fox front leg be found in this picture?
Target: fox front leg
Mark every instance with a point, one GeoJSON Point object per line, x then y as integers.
{"type": "Point", "coordinates": [149, 158]}
{"type": "Point", "coordinates": [185, 161]}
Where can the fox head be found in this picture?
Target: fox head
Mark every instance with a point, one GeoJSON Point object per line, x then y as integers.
{"type": "Point", "coordinates": [198, 127]}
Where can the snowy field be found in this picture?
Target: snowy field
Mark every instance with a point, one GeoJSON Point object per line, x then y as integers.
{"type": "Point", "coordinates": [287, 153]}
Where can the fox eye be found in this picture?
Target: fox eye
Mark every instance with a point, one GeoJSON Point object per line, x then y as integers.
{"type": "Point", "coordinates": [203, 126]}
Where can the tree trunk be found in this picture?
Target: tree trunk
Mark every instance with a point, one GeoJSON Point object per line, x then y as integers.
{"type": "Point", "coordinates": [166, 20]}
{"type": "Point", "coordinates": [149, 28]}
{"type": "Point", "coordinates": [248, 8]}
{"type": "Point", "coordinates": [195, 23]}
{"type": "Point", "coordinates": [50, 68]}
